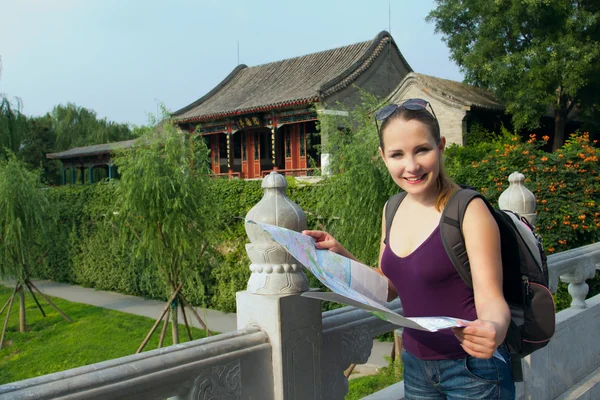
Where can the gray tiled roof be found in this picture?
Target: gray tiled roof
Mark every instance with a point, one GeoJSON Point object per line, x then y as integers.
{"type": "Point", "coordinates": [457, 92]}
{"type": "Point", "coordinates": [290, 82]}
{"type": "Point", "coordinates": [87, 151]}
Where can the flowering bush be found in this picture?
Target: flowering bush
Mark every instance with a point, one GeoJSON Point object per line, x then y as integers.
{"type": "Point", "coordinates": [566, 183]}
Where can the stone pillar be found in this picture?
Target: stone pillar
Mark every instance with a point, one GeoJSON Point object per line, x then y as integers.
{"type": "Point", "coordinates": [273, 302]}
{"type": "Point", "coordinates": [518, 198]}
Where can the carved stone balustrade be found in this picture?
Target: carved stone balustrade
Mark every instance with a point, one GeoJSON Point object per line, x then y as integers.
{"type": "Point", "coordinates": [574, 267]}
{"type": "Point", "coordinates": [348, 334]}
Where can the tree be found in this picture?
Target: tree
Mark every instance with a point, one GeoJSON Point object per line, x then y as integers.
{"type": "Point", "coordinates": [12, 122]}
{"type": "Point", "coordinates": [39, 139]}
{"type": "Point", "coordinates": [534, 55]}
{"type": "Point", "coordinates": [76, 126]}
{"type": "Point", "coordinates": [168, 204]}
{"type": "Point", "coordinates": [22, 206]}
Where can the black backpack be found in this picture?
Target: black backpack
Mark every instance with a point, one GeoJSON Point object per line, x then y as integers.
{"type": "Point", "coordinates": [524, 270]}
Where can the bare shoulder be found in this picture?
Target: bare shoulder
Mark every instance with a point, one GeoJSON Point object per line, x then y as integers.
{"type": "Point", "coordinates": [478, 219]}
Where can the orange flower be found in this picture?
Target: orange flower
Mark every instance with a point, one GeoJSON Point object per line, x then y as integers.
{"type": "Point", "coordinates": [551, 250]}
{"type": "Point", "coordinates": [545, 138]}
{"type": "Point", "coordinates": [563, 242]}
{"type": "Point", "coordinates": [526, 152]}
{"type": "Point", "coordinates": [575, 226]}
{"type": "Point", "coordinates": [581, 217]}
{"type": "Point", "coordinates": [544, 158]}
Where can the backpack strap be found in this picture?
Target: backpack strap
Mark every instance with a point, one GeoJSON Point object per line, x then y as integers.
{"type": "Point", "coordinates": [451, 231]}
{"type": "Point", "coordinates": [390, 210]}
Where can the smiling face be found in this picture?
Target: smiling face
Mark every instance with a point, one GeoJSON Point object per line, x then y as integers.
{"type": "Point", "coordinates": [412, 156]}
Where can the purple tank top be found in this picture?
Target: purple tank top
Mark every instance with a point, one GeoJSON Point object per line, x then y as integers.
{"type": "Point", "coordinates": [429, 286]}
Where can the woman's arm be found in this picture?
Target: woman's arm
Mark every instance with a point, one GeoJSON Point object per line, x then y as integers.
{"type": "Point", "coordinates": [325, 241]}
{"type": "Point", "coordinates": [482, 239]}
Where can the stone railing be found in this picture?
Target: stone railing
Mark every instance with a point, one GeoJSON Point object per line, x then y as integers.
{"type": "Point", "coordinates": [218, 367]}
{"type": "Point", "coordinates": [286, 348]}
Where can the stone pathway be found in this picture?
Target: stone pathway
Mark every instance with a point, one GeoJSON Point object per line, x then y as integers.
{"type": "Point", "coordinates": [216, 320]}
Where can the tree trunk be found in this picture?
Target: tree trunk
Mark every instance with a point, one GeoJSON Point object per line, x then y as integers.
{"type": "Point", "coordinates": [22, 319]}
{"type": "Point", "coordinates": [560, 124]}
{"type": "Point", "coordinates": [174, 325]}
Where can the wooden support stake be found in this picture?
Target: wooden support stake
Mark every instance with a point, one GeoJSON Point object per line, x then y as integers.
{"type": "Point", "coordinates": [6, 320]}
{"type": "Point", "coordinates": [22, 319]}
{"type": "Point", "coordinates": [187, 325]}
{"type": "Point", "coordinates": [195, 314]}
{"type": "Point", "coordinates": [50, 302]}
{"type": "Point", "coordinates": [348, 372]}
{"type": "Point", "coordinates": [9, 299]}
{"type": "Point", "coordinates": [397, 347]}
{"type": "Point", "coordinates": [34, 298]}
{"type": "Point", "coordinates": [159, 319]}
{"type": "Point", "coordinates": [164, 329]}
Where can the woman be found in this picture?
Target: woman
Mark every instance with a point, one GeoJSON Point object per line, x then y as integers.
{"type": "Point", "coordinates": [457, 363]}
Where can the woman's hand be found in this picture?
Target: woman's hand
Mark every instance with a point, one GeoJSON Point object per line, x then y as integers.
{"type": "Point", "coordinates": [479, 338]}
{"type": "Point", "coordinates": [324, 241]}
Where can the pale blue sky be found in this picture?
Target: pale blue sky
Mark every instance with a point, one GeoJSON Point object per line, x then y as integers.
{"type": "Point", "coordinates": [121, 57]}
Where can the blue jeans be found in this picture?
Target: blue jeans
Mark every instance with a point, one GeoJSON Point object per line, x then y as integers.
{"type": "Point", "coordinates": [465, 378]}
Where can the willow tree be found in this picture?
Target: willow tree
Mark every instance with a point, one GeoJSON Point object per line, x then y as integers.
{"type": "Point", "coordinates": [13, 123]}
{"type": "Point", "coordinates": [360, 183]}
{"type": "Point", "coordinates": [167, 203]}
{"type": "Point", "coordinates": [22, 207]}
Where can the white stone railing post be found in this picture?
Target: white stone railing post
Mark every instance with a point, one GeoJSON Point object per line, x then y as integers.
{"type": "Point", "coordinates": [518, 198]}
{"type": "Point", "coordinates": [273, 302]}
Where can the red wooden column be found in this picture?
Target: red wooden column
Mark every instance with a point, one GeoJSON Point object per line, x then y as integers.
{"type": "Point", "coordinates": [214, 148]}
{"type": "Point", "coordinates": [287, 146]}
{"type": "Point", "coordinates": [302, 145]}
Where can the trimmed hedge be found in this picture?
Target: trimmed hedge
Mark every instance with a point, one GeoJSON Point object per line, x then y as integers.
{"type": "Point", "coordinates": [88, 251]}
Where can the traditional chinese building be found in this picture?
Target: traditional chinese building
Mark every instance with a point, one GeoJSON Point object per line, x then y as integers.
{"type": "Point", "coordinates": [264, 117]}
{"type": "Point", "coordinates": [90, 159]}
{"type": "Point", "coordinates": [457, 106]}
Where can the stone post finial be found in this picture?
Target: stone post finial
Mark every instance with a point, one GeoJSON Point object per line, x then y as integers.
{"type": "Point", "coordinates": [274, 270]}
{"type": "Point", "coordinates": [518, 198]}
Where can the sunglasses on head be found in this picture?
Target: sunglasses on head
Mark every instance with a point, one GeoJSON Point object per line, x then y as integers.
{"type": "Point", "coordinates": [410, 104]}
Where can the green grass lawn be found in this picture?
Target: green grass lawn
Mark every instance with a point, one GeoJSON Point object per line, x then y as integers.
{"type": "Point", "coordinates": [52, 344]}
{"type": "Point", "coordinates": [366, 385]}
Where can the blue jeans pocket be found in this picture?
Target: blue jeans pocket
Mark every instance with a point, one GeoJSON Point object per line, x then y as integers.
{"type": "Point", "coordinates": [484, 370]}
